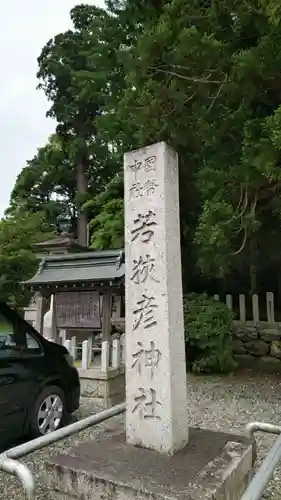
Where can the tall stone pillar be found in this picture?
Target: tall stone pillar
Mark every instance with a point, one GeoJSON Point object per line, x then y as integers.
{"type": "Point", "coordinates": [156, 392]}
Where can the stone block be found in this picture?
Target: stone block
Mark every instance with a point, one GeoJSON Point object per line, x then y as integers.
{"type": "Point", "coordinates": [244, 360]}
{"type": "Point", "coordinates": [238, 347]}
{"type": "Point", "coordinates": [268, 364]}
{"type": "Point", "coordinates": [108, 388]}
{"type": "Point", "coordinates": [257, 347]}
{"type": "Point", "coordinates": [245, 333]}
{"type": "Point", "coordinates": [213, 466]}
{"type": "Point", "coordinates": [275, 349]}
{"type": "Point", "coordinates": [269, 334]}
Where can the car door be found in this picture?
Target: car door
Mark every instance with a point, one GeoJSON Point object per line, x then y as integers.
{"type": "Point", "coordinates": [17, 379]}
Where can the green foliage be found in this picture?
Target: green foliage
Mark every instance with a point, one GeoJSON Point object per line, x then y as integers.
{"type": "Point", "coordinates": [208, 335]}
{"type": "Point", "coordinates": [107, 216]}
{"type": "Point", "coordinates": [272, 9]}
{"type": "Point", "coordinates": [74, 72]}
{"type": "Point", "coordinates": [47, 184]}
{"type": "Point", "coordinates": [18, 262]}
{"type": "Point", "coordinates": [203, 76]}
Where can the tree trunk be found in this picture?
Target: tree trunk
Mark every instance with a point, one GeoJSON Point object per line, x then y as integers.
{"type": "Point", "coordinates": [82, 221]}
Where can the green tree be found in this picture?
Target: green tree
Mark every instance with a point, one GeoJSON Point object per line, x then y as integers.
{"type": "Point", "coordinates": [18, 261]}
{"type": "Point", "coordinates": [107, 216]}
{"type": "Point", "coordinates": [47, 183]}
{"type": "Point", "coordinates": [204, 76]}
{"type": "Point", "coordinates": [73, 72]}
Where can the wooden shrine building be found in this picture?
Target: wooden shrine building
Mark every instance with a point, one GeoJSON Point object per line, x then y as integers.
{"type": "Point", "coordinates": [86, 287]}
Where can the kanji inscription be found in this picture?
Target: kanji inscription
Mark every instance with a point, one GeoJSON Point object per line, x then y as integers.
{"type": "Point", "coordinates": [135, 168]}
{"type": "Point", "coordinates": [148, 165]}
{"type": "Point", "coordinates": [156, 395]}
{"type": "Point", "coordinates": [146, 404]}
{"type": "Point", "coordinates": [143, 227]}
{"type": "Point", "coordinates": [144, 312]}
{"type": "Point", "coordinates": [143, 269]}
{"type": "Point", "coordinates": [146, 358]}
{"type": "Point", "coordinates": [148, 188]}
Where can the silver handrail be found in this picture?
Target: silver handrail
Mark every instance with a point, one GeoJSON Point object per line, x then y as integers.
{"type": "Point", "coordinates": [262, 477]}
{"type": "Point", "coordinates": [10, 465]}
{"type": "Point", "coordinates": [254, 427]}
{"type": "Point", "coordinates": [22, 472]}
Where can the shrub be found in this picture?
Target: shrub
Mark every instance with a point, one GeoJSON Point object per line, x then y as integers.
{"type": "Point", "coordinates": [208, 335]}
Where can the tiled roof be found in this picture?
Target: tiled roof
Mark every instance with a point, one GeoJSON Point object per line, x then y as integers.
{"type": "Point", "coordinates": [79, 268]}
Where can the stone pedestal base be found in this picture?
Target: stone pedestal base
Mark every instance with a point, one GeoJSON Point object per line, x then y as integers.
{"type": "Point", "coordinates": [108, 389]}
{"type": "Point", "coordinates": [213, 466]}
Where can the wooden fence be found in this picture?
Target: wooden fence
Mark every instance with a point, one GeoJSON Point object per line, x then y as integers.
{"type": "Point", "coordinates": [107, 356]}
{"type": "Point", "coordinates": [253, 308]}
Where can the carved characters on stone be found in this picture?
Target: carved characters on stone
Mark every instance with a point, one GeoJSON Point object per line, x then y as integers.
{"type": "Point", "coordinates": [148, 188]}
{"type": "Point", "coordinates": [143, 227]}
{"type": "Point", "coordinates": [146, 403]}
{"type": "Point", "coordinates": [144, 312]}
{"type": "Point", "coordinates": [143, 269]}
{"type": "Point", "coordinates": [149, 165]}
{"type": "Point", "coordinates": [135, 168]}
{"type": "Point", "coordinates": [146, 358]}
{"type": "Point", "coordinates": [147, 355]}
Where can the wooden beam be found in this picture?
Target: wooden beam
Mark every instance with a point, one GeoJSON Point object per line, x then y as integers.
{"type": "Point", "coordinates": [106, 315]}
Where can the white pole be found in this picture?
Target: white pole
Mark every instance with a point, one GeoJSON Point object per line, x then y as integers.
{"type": "Point", "coordinates": [105, 356]}
{"type": "Point", "coordinates": [85, 355]}
{"type": "Point", "coordinates": [116, 354]}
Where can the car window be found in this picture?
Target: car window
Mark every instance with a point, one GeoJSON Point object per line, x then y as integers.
{"type": "Point", "coordinates": [15, 341]}
{"type": "Point", "coordinates": [32, 343]}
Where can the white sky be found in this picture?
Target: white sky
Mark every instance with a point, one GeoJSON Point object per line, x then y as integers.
{"type": "Point", "coordinates": [26, 25]}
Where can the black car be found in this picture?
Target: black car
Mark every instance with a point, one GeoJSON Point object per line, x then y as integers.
{"type": "Point", "coordinates": [39, 385]}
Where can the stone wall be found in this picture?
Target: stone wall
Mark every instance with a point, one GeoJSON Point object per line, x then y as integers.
{"type": "Point", "coordinates": [108, 389]}
{"type": "Point", "coordinates": [258, 346]}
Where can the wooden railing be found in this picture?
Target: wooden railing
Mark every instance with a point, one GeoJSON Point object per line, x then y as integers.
{"type": "Point", "coordinates": [249, 308]}
{"type": "Point", "coordinates": [105, 357]}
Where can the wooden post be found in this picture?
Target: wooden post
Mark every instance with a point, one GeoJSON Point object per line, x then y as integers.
{"type": "Point", "coordinates": [229, 301]}
{"type": "Point", "coordinates": [67, 345]}
{"type": "Point", "coordinates": [85, 355]}
{"type": "Point", "coordinates": [270, 307]}
{"type": "Point", "coordinates": [106, 315]}
{"type": "Point", "coordinates": [116, 354]}
{"type": "Point", "coordinates": [242, 308]}
{"type": "Point", "coordinates": [62, 334]}
{"type": "Point", "coordinates": [90, 349]}
{"type": "Point", "coordinates": [255, 302]}
{"type": "Point", "coordinates": [54, 330]}
{"type": "Point", "coordinates": [116, 300]}
{"type": "Point", "coordinates": [73, 348]}
{"type": "Point", "coordinates": [105, 356]}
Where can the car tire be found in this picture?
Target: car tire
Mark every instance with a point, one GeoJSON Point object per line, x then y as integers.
{"type": "Point", "coordinates": [48, 412]}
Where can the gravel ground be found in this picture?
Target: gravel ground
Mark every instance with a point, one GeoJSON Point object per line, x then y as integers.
{"type": "Point", "coordinates": [226, 403]}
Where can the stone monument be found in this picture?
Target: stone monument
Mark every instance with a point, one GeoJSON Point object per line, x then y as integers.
{"type": "Point", "coordinates": [156, 393]}
{"type": "Point", "coordinates": [154, 457]}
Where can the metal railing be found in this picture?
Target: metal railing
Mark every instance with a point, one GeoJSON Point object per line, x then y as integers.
{"type": "Point", "coordinates": [263, 475]}
{"type": "Point", "coordinates": [10, 465]}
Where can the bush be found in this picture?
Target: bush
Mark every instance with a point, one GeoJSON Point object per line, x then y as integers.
{"type": "Point", "coordinates": [208, 335]}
